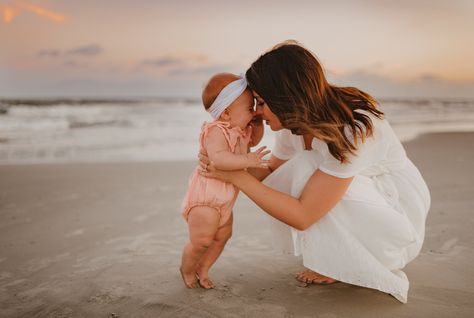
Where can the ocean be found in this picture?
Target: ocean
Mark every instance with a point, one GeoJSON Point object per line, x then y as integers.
{"type": "Point", "coordinates": [78, 130]}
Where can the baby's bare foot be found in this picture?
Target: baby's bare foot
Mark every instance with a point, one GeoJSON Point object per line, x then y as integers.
{"type": "Point", "coordinates": [204, 280]}
{"type": "Point", "coordinates": [190, 280]}
{"type": "Point", "coordinates": [310, 277]}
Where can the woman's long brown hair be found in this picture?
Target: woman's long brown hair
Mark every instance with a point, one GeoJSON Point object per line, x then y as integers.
{"type": "Point", "coordinates": [291, 81]}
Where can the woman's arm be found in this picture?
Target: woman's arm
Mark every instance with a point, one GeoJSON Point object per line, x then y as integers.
{"type": "Point", "coordinates": [320, 194]}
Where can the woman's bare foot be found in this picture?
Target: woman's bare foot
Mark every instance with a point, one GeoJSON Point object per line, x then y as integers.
{"type": "Point", "coordinates": [203, 279]}
{"type": "Point", "coordinates": [190, 280]}
{"type": "Point", "coordinates": [310, 277]}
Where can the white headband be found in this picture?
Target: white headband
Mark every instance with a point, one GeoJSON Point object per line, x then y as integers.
{"type": "Point", "coordinates": [227, 96]}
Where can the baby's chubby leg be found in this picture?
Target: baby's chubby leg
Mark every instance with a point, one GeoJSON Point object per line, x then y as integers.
{"type": "Point", "coordinates": [203, 222]}
{"type": "Point", "coordinates": [222, 236]}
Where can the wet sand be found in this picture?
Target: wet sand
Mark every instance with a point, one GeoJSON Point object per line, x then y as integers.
{"type": "Point", "coordinates": [104, 240]}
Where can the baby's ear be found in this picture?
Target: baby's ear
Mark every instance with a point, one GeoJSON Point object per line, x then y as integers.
{"type": "Point", "coordinates": [226, 114]}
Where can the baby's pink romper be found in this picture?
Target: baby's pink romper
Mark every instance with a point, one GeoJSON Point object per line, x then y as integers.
{"type": "Point", "coordinates": [203, 191]}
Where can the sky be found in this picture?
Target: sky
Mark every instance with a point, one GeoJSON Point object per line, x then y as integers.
{"type": "Point", "coordinates": [145, 48]}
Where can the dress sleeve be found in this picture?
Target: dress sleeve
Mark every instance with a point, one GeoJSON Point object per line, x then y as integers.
{"type": "Point", "coordinates": [283, 148]}
{"type": "Point", "coordinates": [366, 154]}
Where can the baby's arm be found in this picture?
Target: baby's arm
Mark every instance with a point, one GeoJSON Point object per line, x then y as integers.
{"type": "Point", "coordinates": [223, 159]}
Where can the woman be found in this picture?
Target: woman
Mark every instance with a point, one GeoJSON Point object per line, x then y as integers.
{"type": "Point", "coordinates": [342, 192]}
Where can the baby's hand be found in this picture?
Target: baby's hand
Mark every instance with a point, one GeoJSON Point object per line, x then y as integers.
{"type": "Point", "coordinates": [255, 159]}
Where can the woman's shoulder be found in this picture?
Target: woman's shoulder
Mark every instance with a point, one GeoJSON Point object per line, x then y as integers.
{"type": "Point", "coordinates": [382, 145]}
{"type": "Point", "coordinates": [286, 144]}
{"type": "Point", "coordinates": [285, 136]}
{"type": "Point", "coordinates": [382, 132]}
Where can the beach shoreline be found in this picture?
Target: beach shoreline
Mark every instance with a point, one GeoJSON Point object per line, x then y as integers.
{"type": "Point", "coordinates": [92, 239]}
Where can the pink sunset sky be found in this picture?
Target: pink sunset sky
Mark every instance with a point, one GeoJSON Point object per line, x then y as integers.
{"type": "Point", "coordinates": [118, 48]}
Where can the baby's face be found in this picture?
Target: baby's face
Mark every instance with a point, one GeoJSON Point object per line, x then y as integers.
{"type": "Point", "coordinates": [241, 110]}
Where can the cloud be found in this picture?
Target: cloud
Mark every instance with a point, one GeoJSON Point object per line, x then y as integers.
{"type": "Point", "coordinates": [431, 78]}
{"type": "Point", "coordinates": [9, 13]}
{"type": "Point", "coordinates": [175, 61]}
{"type": "Point", "coordinates": [72, 63]}
{"type": "Point", "coordinates": [83, 51]}
{"type": "Point", "coordinates": [49, 53]}
{"type": "Point", "coordinates": [203, 70]}
{"type": "Point", "coordinates": [87, 50]}
{"type": "Point", "coordinates": [184, 66]}
{"type": "Point", "coordinates": [13, 9]}
{"type": "Point", "coordinates": [426, 85]}
{"type": "Point", "coordinates": [174, 68]}
{"type": "Point", "coordinates": [164, 61]}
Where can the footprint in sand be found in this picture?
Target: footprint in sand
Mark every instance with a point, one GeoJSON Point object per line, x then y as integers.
{"type": "Point", "coordinates": [449, 248]}
{"type": "Point", "coordinates": [5, 275]}
{"type": "Point", "coordinates": [449, 244]}
{"type": "Point", "coordinates": [108, 296]}
{"type": "Point", "coordinates": [75, 233]}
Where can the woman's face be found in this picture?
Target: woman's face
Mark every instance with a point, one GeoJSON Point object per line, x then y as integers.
{"type": "Point", "coordinates": [262, 109]}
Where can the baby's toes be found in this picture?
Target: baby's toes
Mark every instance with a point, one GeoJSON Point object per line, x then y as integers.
{"type": "Point", "coordinates": [206, 283]}
{"type": "Point", "coordinates": [192, 284]}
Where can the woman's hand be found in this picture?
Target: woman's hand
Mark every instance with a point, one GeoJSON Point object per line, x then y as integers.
{"type": "Point", "coordinates": [208, 170]}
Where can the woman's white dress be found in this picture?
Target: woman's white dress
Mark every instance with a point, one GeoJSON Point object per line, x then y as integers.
{"type": "Point", "coordinates": [377, 227]}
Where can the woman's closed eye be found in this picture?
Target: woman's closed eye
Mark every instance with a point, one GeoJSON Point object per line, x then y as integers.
{"type": "Point", "coordinates": [259, 102]}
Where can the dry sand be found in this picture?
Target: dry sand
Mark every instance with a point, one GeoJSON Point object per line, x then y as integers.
{"type": "Point", "coordinates": [104, 240]}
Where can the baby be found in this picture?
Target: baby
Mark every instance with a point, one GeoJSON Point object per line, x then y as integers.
{"type": "Point", "coordinates": [207, 206]}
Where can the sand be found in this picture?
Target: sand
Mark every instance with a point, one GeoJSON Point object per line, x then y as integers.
{"type": "Point", "coordinates": [104, 240]}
